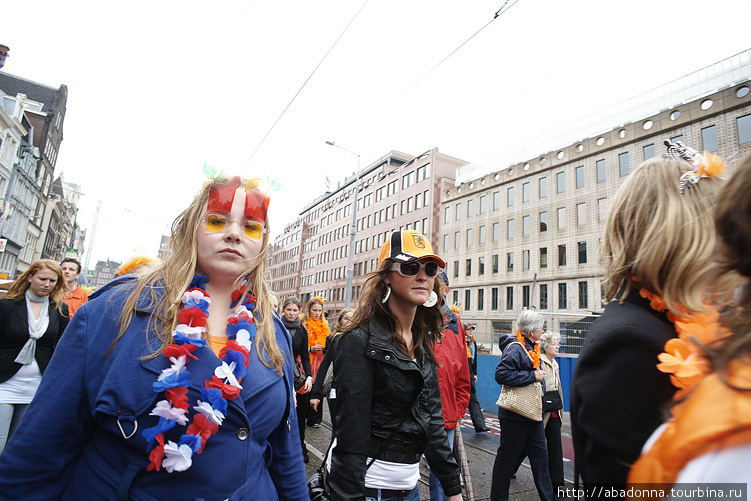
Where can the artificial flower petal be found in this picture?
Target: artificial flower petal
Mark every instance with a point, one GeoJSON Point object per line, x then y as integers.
{"type": "Point", "coordinates": [210, 413]}
{"type": "Point", "coordinates": [165, 410]}
{"type": "Point", "coordinates": [178, 365]}
{"type": "Point", "coordinates": [177, 457]}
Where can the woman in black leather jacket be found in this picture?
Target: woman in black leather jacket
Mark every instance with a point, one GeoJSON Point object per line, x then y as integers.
{"type": "Point", "coordinates": [389, 404]}
{"type": "Point", "coordinates": [291, 319]}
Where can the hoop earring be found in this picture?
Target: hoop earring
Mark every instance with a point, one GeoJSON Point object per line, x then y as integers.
{"type": "Point", "coordinates": [388, 293]}
{"type": "Point", "coordinates": [431, 301]}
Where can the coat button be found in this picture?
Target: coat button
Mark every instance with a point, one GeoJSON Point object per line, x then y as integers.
{"type": "Point", "coordinates": [387, 357]}
{"type": "Point", "coordinates": [372, 352]}
{"type": "Point", "coordinates": [242, 433]}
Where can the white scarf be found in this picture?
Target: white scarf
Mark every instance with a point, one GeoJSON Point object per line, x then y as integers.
{"type": "Point", "coordinates": [37, 327]}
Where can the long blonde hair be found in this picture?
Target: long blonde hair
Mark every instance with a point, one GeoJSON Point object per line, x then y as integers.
{"type": "Point", "coordinates": [175, 274]}
{"type": "Point", "coordinates": [18, 289]}
{"type": "Point", "coordinates": [662, 239]}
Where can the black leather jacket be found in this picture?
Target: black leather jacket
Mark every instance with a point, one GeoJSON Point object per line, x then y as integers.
{"type": "Point", "coordinates": [376, 384]}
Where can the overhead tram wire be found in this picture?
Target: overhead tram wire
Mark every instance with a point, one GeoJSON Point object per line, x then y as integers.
{"type": "Point", "coordinates": [305, 83]}
{"type": "Point", "coordinates": [498, 14]}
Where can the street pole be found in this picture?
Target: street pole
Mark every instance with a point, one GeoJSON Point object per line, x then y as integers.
{"type": "Point", "coordinates": [352, 231]}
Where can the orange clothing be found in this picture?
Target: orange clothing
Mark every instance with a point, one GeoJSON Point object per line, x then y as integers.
{"type": "Point", "coordinates": [75, 299]}
{"type": "Point", "coordinates": [714, 412]}
{"type": "Point", "coordinates": [317, 332]}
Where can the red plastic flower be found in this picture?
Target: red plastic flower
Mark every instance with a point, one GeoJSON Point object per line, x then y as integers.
{"type": "Point", "coordinates": [176, 350]}
{"type": "Point", "coordinates": [234, 345]}
{"type": "Point", "coordinates": [177, 396]}
{"type": "Point", "coordinates": [192, 316]}
{"type": "Point", "coordinates": [237, 294]}
{"type": "Point", "coordinates": [201, 427]}
{"type": "Point", "coordinates": [157, 454]}
{"type": "Point", "coordinates": [229, 392]}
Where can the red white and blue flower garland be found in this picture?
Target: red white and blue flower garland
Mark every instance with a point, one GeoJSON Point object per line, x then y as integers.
{"type": "Point", "coordinates": [211, 408]}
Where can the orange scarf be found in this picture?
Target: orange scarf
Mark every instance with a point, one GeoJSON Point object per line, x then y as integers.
{"type": "Point", "coordinates": [533, 354]}
{"type": "Point", "coordinates": [317, 332]}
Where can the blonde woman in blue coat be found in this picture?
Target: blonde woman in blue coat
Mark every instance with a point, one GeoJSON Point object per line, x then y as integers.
{"type": "Point", "coordinates": [173, 385]}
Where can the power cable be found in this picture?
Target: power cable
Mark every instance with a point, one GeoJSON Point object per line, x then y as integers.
{"type": "Point", "coordinates": [305, 83]}
{"type": "Point", "coordinates": [498, 13]}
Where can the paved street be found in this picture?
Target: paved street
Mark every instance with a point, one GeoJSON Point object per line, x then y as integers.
{"type": "Point", "coordinates": [481, 449]}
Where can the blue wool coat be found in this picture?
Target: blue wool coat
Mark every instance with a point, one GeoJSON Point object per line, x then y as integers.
{"type": "Point", "coordinates": [81, 436]}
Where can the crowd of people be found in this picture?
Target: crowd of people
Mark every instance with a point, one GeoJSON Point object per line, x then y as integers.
{"type": "Point", "coordinates": [185, 378]}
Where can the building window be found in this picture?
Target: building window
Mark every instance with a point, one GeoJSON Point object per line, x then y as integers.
{"type": "Point", "coordinates": [469, 237]}
{"type": "Point", "coordinates": [543, 296]}
{"type": "Point", "coordinates": [676, 138]}
{"type": "Point", "coordinates": [561, 255]}
{"type": "Point", "coordinates": [510, 192]}
{"type": "Point", "coordinates": [470, 208]}
{"type": "Point", "coordinates": [482, 234]}
{"type": "Point", "coordinates": [509, 298]}
{"type": "Point", "coordinates": [601, 171]}
{"type": "Point", "coordinates": [467, 299]}
{"type": "Point", "coordinates": [709, 138]}
{"type": "Point", "coordinates": [458, 212]}
{"type": "Point", "coordinates": [496, 231]}
{"type": "Point", "coordinates": [482, 205]}
{"type": "Point", "coordinates": [496, 200]}
{"type": "Point", "coordinates": [456, 297]}
{"type": "Point", "coordinates": [525, 296]}
{"type": "Point", "coordinates": [543, 221]}
{"type": "Point", "coordinates": [446, 242]}
{"type": "Point", "coordinates": [510, 264]}
{"type": "Point", "coordinates": [525, 192]}
{"type": "Point", "coordinates": [743, 124]}
{"type": "Point", "coordinates": [543, 257]}
{"type": "Point", "coordinates": [525, 225]}
{"type": "Point", "coordinates": [581, 214]}
{"type": "Point", "coordinates": [561, 218]}
{"type": "Point", "coordinates": [426, 198]}
{"type": "Point", "coordinates": [583, 296]}
{"type": "Point", "coordinates": [582, 252]}
{"type": "Point", "coordinates": [649, 151]}
{"type": "Point", "coordinates": [602, 209]}
{"type": "Point", "coordinates": [525, 260]}
{"type": "Point", "coordinates": [494, 298]}
{"type": "Point", "coordinates": [543, 187]}
{"type": "Point", "coordinates": [469, 267]}
{"type": "Point", "coordinates": [456, 269]}
{"type": "Point", "coordinates": [623, 166]}
{"type": "Point", "coordinates": [495, 263]}
{"type": "Point", "coordinates": [510, 228]}
{"type": "Point", "coordinates": [560, 182]}
{"type": "Point", "coordinates": [580, 176]}
{"type": "Point", "coordinates": [480, 299]}
{"type": "Point", "coordinates": [457, 240]}
{"type": "Point", "coordinates": [562, 300]}
{"type": "Point", "coordinates": [481, 266]}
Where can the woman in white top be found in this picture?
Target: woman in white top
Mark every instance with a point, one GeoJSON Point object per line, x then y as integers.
{"type": "Point", "coordinates": [33, 316]}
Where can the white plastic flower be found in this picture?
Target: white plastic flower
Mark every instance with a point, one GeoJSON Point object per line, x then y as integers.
{"type": "Point", "coordinates": [226, 372]}
{"type": "Point", "coordinates": [177, 457]}
{"type": "Point", "coordinates": [178, 365]}
{"type": "Point", "coordinates": [243, 339]}
{"type": "Point", "coordinates": [208, 411]}
{"type": "Point", "coordinates": [190, 332]}
{"type": "Point", "coordinates": [197, 295]}
{"type": "Point", "coordinates": [164, 409]}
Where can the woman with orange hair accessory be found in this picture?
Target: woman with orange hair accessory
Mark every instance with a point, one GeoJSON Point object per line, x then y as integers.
{"type": "Point", "coordinates": [708, 438]}
{"type": "Point", "coordinates": [318, 331]}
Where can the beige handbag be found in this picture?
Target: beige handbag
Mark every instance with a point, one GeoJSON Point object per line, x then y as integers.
{"type": "Point", "coordinates": [523, 400]}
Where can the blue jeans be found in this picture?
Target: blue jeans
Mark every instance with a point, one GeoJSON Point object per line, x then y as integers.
{"type": "Point", "coordinates": [380, 498]}
{"type": "Point", "coordinates": [10, 416]}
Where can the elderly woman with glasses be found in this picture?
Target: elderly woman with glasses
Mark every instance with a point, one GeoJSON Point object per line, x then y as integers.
{"type": "Point", "coordinates": [520, 366]}
{"type": "Point", "coordinates": [175, 384]}
{"type": "Point", "coordinates": [388, 399]}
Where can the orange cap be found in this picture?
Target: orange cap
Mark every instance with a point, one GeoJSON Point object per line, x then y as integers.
{"type": "Point", "coordinates": [408, 245]}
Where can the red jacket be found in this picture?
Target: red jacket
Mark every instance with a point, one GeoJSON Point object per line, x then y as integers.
{"type": "Point", "coordinates": [453, 373]}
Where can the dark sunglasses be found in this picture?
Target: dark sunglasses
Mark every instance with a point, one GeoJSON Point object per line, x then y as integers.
{"type": "Point", "coordinates": [412, 269]}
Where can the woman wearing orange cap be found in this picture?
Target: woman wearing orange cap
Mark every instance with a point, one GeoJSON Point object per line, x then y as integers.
{"type": "Point", "coordinates": [388, 401]}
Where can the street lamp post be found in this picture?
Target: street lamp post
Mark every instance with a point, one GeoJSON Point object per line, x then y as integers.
{"type": "Point", "coordinates": [351, 256]}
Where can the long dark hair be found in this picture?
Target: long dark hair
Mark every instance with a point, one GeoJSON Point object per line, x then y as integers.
{"type": "Point", "coordinates": [428, 322]}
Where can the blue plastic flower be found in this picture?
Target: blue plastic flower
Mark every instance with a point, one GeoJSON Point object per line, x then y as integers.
{"type": "Point", "coordinates": [163, 426]}
{"type": "Point", "coordinates": [214, 397]}
{"type": "Point", "coordinates": [183, 339]}
{"type": "Point", "coordinates": [198, 282]}
{"type": "Point", "coordinates": [172, 381]}
{"type": "Point", "coordinates": [239, 359]}
{"type": "Point", "coordinates": [192, 441]}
